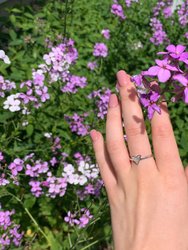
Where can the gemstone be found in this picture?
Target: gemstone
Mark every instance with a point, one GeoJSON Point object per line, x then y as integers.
{"type": "Point", "coordinates": [136, 159]}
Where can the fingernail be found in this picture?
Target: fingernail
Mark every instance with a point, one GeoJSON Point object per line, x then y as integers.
{"type": "Point", "coordinates": [121, 76]}
{"type": "Point", "coordinates": [94, 135]}
{"type": "Point", "coordinates": [117, 86]}
{"type": "Point", "coordinates": [113, 102]}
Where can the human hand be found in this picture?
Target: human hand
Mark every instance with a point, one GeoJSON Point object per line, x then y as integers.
{"type": "Point", "coordinates": [148, 201]}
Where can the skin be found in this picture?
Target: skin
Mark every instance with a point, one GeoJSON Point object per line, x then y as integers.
{"type": "Point", "coordinates": [149, 201]}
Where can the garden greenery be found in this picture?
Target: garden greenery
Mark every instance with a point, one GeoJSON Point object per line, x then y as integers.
{"type": "Point", "coordinates": [58, 61]}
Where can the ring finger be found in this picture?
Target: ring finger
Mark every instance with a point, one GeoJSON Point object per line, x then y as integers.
{"type": "Point", "coordinates": [137, 138]}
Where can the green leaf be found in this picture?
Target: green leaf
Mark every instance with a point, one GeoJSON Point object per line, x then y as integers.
{"type": "Point", "coordinates": [3, 192]}
{"type": "Point", "coordinates": [13, 34]}
{"type": "Point", "coordinates": [29, 129]}
{"type": "Point", "coordinates": [29, 201]}
{"type": "Point", "coordinates": [55, 245]}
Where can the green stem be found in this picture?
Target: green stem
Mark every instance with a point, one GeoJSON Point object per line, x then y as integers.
{"type": "Point", "coordinates": [31, 217]}
{"type": "Point", "coordinates": [65, 19]}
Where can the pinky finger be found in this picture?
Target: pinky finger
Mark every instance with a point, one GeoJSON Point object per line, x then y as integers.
{"type": "Point", "coordinates": [103, 160]}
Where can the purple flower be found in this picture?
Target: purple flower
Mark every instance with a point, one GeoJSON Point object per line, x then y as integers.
{"type": "Point", "coordinates": [92, 65]}
{"type": "Point", "coordinates": [76, 124]}
{"type": "Point", "coordinates": [74, 83]}
{"type": "Point", "coordinates": [106, 33]}
{"type": "Point", "coordinates": [117, 10]}
{"type": "Point", "coordinates": [177, 52]}
{"type": "Point", "coordinates": [100, 50]}
{"type": "Point", "coordinates": [16, 166]}
{"type": "Point", "coordinates": [101, 98]}
{"type": "Point", "coordinates": [85, 218]}
{"type": "Point", "coordinates": [36, 188]}
{"type": "Point", "coordinates": [162, 71]}
{"type": "Point", "coordinates": [149, 101]}
{"type": "Point", "coordinates": [184, 81]}
{"type": "Point", "coordinates": [159, 35]}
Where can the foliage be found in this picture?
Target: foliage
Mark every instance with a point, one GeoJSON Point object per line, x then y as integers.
{"type": "Point", "coordinates": [28, 34]}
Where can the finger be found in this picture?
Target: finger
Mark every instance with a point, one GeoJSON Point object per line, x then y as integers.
{"type": "Point", "coordinates": [164, 142]}
{"type": "Point", "coordinates": [102, 159]}
{"type": "Point", "coordinates": [137, 138]}
{"type": "Point", "coordinates": [186, 172]}
{"type": "Point", "coordinates": [115, 140]}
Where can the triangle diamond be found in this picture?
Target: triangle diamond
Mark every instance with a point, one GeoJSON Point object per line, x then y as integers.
{"type": "Point", "coordinates": [136, 159]}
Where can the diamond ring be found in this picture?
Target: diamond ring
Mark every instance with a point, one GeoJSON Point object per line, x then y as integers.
{"type": "Point", "coordinates": [136, 159]}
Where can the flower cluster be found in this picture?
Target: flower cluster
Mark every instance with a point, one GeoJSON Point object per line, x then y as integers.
{"type": "Point", "coordinates": [84, 172]}
{"type": "Point", "coordinates": [4, 57]}
{"type": "Point", "coordinates": [101, 98]}
{"type": "Point", "coordinates": [73, 83]}
{"type": "Point", "coordinates": [13, 103]}
{"type": "Point", "coordinates": [129, 2]}
{"type": "Point", "coordinates": [92, 65]}
{"type": "Point", "coordinates": [90, 189]}
{"type": "Point", "coordinates": [5, 85]}
{"type": "Point", "coordinates": [106, 33]}
{"type": "Point", "coordinates": [117, 10]}
{"type": "Point", "coordinates": [76, 124]}
{"type": "Point", "coordinates": [9, 231]}
{"type": "Point", "coordinates": [75, 218]}
{"type": "Point", "coordinates": [159, 35]}
{"type": "Point", "coordinates": [100, 50]}
{"type": "Point", "coordinates": [55, 68]}
{"type": "Point", "coordinates": [163, 6]}
{"type": "Point", "coordinates": [183, 13]}
{"type": "Point", "coordinates": [170, 71]}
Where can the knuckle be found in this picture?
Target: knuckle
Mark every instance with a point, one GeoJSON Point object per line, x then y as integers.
{"type": "Point", "coordinates": [174, 181]}
{"type": "Point", "coordinates": [113, 146]}
{"type": "Point", "coordinates": [163, 131]}
{"type": "Point", "coordinates": [132, 130]}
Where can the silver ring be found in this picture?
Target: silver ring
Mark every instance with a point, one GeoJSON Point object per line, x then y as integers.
{"type": "Point", "coordinates": [137, 158]}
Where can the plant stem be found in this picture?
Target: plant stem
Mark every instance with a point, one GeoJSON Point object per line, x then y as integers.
{"type": "Point", "coordinates": [31, 217]}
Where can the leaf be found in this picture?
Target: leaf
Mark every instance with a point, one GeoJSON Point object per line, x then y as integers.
{"type": "Point", "coordinates": [29, 129]}
{"type": "Point", "coordinates": [55, 245]}
{"type": "Point", "coordinates": [29, 201]}
{"type": "Point", "coordinates": [3, 192]}
{"type": "Point", "coordinates": [13, 34]}
{"type": "Point", "coordinates": [5, 116]}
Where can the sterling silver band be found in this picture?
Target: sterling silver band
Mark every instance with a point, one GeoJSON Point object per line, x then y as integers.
{"type": "Point", "coordinates": [137, 158]}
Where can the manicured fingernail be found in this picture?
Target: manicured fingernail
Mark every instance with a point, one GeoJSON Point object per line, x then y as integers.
{"type": "Point", "coordinates": [94, 135]}
{"type": "Point", "coordinates": [117, 86]}
{"type": "Point", "coordinates": [113, 102]}
{"type": "Point", "coordinates": [121, 76]}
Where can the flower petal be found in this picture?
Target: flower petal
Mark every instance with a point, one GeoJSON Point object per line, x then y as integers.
{"type": "Point", "coordinates": [186, 95]}
{"type": "Point", "coordinates": [172, 67]}
{"type": "Point", "coordinates": [171, 48]}
{"type": "Point", "coordinates": [164, 75]}
{"type": "Point", "coordinates": [154, 70]}
{"type": "Point", "coordinates": [180, 49]}
{"type": "Point", "coordinates": [183, 56]}
{"type": "Point", "coordinates": [182, 79]}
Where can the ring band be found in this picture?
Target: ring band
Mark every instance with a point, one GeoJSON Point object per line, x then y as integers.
{"type": "Point", "coordinates": [136, 159]}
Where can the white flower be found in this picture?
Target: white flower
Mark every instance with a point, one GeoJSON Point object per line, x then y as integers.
{"type": "Point", "coordinates": [69, 169]}
{"type": "Point", "coordinates": [82, 180]}
{"type": "Point", "coordinates": [4, 57]}
{"type": "Point", "coordinates": [12, 103]}
{"type": "Point", "coordinates": [73, 179]}
{"type": "Point", "coordinates": [25, 123]}
{"type": "Point", "coordinates": [48, 135]}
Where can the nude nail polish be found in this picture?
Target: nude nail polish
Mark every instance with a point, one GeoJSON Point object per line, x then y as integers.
{"type": "Point", "coordinates": [113, 102]}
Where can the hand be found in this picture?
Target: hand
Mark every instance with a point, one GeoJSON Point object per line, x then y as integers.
{"type": "Point", "coordinates": [148, 201]}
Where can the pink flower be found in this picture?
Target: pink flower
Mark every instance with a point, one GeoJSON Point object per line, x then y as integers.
{"type": "Point", "coordinates": [184, 81]}
{"type": "Point", "coordinates": [162, 71]}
